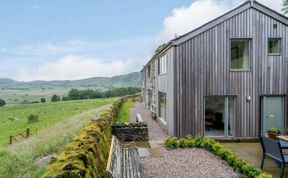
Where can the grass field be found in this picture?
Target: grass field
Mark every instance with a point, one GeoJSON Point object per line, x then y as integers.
{"type": "Point", "coordinates": [15, 97]}
{"type": "Point", "coordinates": [27, 159]}
{"type": "Point", "coordinates": [13, 119]}
{"type": "Point", "coordinates": [124, 112]}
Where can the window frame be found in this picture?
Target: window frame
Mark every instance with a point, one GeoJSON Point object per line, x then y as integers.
{"type": "Point", "coordinates": [250, 50]}
{"type": "Point", "coordinates": [280, 46]}
{"type": "Point", "coordinates": [162, 65]}
{"type": "Point", "coordinates": [163, 119]}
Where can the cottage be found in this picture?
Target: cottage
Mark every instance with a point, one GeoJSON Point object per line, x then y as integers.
{"type": "Point", "coordinates": [226, 79]}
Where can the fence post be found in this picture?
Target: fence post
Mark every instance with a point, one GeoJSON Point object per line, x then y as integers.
{"type": "Point", "coordinates": [27, 132]}
{"type": "Point", "coordinates": [11, 140]}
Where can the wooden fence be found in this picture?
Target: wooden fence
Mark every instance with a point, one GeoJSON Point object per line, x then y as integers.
{"type": "Point", "coordinates": [20, 136]}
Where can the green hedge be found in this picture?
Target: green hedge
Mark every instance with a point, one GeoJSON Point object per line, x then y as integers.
{"type": "Point", "coordinates": [86, 155]}
{"type": "Point", "coordinates": [218, 149]}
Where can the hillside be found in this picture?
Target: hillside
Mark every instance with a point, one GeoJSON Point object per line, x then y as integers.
{"type": "Point", "coordinates": [132, 79]}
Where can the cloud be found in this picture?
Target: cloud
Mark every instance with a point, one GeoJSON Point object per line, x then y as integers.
{"type": "Point", "coordinates": [185, 19]}
{"type": "Point", "coordinates": [73, 67]}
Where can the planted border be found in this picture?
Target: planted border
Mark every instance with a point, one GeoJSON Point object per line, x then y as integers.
{"type": "Point", "coordinates": [86, 155]}
{"type": "Point", "coordinates": [220, 150]}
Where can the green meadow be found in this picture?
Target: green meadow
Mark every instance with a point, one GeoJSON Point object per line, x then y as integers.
{"type": "Point", "coordinates": [13, 119]}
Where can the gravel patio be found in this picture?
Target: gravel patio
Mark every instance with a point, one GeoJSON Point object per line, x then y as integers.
{"type": "Point", "coordinates": [157, 161]}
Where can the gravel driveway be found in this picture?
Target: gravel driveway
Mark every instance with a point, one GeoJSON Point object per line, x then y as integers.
{"type": "Point", "coordinates": [185, 163]}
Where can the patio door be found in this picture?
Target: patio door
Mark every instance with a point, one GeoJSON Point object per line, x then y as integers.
{"type": "Point", "coordinates": [220, 113]}
{"type": "Point", "coordinates": [272, 113]}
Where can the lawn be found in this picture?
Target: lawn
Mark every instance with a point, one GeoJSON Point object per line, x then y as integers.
{"type": "Point", "coordinates": [124, 111]}
{"type": "Point", "coordinates": [27, 159]}
{"type": "Point", "coordinates": [13, 119]}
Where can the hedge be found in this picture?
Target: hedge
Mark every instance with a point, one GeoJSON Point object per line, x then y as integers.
{"type": "Point", "coordinates": [218, 149]}
{"type": "Point", "coordinates": [86, 155]}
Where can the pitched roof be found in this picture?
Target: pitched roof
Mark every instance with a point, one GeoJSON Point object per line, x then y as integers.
{"type": "Point", "coordinates": [246, 5]}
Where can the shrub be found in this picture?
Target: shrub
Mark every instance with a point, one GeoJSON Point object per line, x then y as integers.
{"type": "Point", "coordinates": [32, 118]}
{"type": "Point", "coordinates": [171, 142]}
{"type": "Point", "coordinates": [198, 141]}
{"type": "Point", "coordinates": [43, 100]}
{"type": "Point", "coordinates": [182, 143]}
{"type": "Point", "coordinates": [55, 98]}
{"type": "Point", "coordinates": [2, 102]}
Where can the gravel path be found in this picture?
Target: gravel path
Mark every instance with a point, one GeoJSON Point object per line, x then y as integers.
{"type": "Point", "coordinates": [184, 163]}
{"type": "Point", "coordinates": [178, 163]}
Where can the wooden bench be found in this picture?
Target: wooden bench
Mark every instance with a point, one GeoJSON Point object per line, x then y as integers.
{"type": "Point", "coordinates": [123, 162]}
{"type": "Point", "coordinates": [139, 118]}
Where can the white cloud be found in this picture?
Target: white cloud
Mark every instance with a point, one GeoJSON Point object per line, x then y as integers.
{"type": "Point", "coordinates": [185, 19]}
{"type": "Point", "coordinates": [77, 67]}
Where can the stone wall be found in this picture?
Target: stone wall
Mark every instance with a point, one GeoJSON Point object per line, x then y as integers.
{"type": "Point", "coordinates": [131, 131]}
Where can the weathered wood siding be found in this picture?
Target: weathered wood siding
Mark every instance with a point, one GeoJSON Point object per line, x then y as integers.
{"type": "Point", "coordinates": [202, 68]}
{"type": "Point", "coordinates": [165, 83]}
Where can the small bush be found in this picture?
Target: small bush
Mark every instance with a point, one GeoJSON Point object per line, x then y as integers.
{"type": "Point", "coordinates": [32, 118]}
{"type": "Point", "coordinates": [182, 143]}
{"type": "Point", "coordinates": [43, 100]}
{"type": "Point", "coordinates": [171, 142]}
{"type": "Point", "coordinates": [2, 102]}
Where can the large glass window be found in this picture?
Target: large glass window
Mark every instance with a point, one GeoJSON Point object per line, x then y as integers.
{"type": "Point", "coordinates": [162, 105]}
{"type": "Point", "coordinates": [220, 113]}
{"type": "Point", "coordinates": [162, 65]}
{"type": "Point", "coordinates": [240, 54]}
{"type": "Point", "coordinates": [274, 46]}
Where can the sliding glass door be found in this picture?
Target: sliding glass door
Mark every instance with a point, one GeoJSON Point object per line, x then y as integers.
{"type": "Point", "coordinates": [220, 116]}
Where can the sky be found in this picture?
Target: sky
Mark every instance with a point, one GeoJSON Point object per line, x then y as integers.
{"type": "Point", "coordinates": [76, 39]}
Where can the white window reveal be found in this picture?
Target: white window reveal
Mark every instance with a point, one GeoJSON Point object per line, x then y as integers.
{"type": "Point", "coordinates": [162, 65]}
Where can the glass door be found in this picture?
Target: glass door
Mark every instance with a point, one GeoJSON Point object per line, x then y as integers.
{"type": "Point", "coordinates": [272, 113]}
{"type": "Point", "coordinates": [220, 116]}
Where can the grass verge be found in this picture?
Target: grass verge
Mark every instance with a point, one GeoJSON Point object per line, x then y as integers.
{"type": "Point", "coordinates": [28, 159]}
{"type": "Point", "coordinates": [124, 111]}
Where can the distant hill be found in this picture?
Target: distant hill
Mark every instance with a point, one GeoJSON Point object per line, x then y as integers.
{"type": "Point", "coordinates": [129, 80]}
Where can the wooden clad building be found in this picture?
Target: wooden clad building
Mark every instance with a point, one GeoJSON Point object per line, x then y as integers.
{"type": "Point", "coordinates": [227, 78]}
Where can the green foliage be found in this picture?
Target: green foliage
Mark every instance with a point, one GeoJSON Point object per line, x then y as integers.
{"type": "Point", "coordinates": [123, 115]}
{"type": "Point", "coordinates": [285, 7]}
{"type": "Point", "coordinates": [249, 170]}
{"type": "Point", "coordinates": [2, 102]}
{"type": "Point", "coordinates": [160, 48]}
{"type": "Point", "coordinates": [171, 142]}
{"type": "Point", "coordinates": [55, 98]}
{"type": "Point", "coordinates": [75, 94]}
{"type": "Point", "coordinates": [43, 100]}
{"type": "Point", "coordinates": [32, 118]}
{"type": "Point", "coordinates": [273, 130]}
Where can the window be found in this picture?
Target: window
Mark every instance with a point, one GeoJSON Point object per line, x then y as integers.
{"type": "Point", "coordinates": [162, 105]}
{"type": "Point", "coordinates": [240, 58]}
{"type": "Point", "coordinates": [274, 46]}
{"type": "Point", "coordinates": [162, 65]}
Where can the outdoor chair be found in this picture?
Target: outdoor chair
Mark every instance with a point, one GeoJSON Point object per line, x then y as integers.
{"type": "Point", "coordinates": [283, 144]}
{"type": "Point", "coordinates": [272, 149]}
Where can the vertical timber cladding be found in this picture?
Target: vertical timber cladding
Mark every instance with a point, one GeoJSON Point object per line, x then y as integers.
{"type": "Point", "coordinates": [202, 68]}
{"type": "Point", "coordinates": [165, 83]}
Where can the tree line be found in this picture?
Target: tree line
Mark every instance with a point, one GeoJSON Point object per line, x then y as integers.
{"type": "Point", "coordinates": [77, 94]}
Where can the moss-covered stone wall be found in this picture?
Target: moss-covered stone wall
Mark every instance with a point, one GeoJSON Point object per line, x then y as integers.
{"type": "Point", "coordinates": [86, 155]}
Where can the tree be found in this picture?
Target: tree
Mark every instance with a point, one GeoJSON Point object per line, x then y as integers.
{"type": "Point", "coordinates": [2, 102]}
{"type": "Point", "coordinates": [285, 7]}
{"type": "Point", "coordinates": [55, 98]}
{"type": "Point", "coordinates": [43, 100]}
{"type": "Point", "coordinates": [74, 94]}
